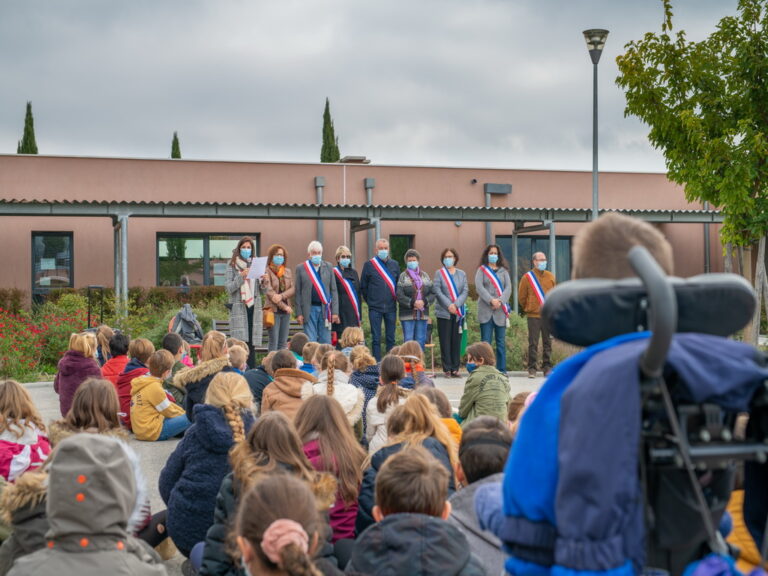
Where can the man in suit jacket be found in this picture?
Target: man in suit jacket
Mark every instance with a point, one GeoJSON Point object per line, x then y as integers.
{"type": "Point", "coordinates": [378, 285]}
{"type": "Point", "coordinates": [316, 298]}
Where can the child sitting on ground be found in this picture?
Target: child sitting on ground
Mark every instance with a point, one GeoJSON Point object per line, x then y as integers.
{"type": "Point", "coordinates": [351, 337]}
{"type": "Point", "coordinates": [334, 381]}
{"type": "Point", "coordinates": [175, 345]}
{"type": "Point", "coordinates": [410, 513]}
{"type": "Point", "coordinates": [307, 356]}
{"type": "Point", "coordinates": [389, 396]}
{"type": "Point", "coordinates": [365, 375]}
{"type": "Point", "coordinates": [23, 440]}
{"type": "Point", "coordinates": [440, 401]}
{"type": "Point", "coordinates": [238, 358]}
{"type": "Point", "coordinates": [296, 346]}
{"type": "Point", "coordinates": [284, 393]}
{"type": "Point", "coordinates": [77, 364]}
{"type": "Point", "coordinates": [486, 392]}
{"type": "Point", "coordinates": [153, 414]}
{"type": "Point", "coordinates": [415, 374]}
{"type": "Point", "coordinates": [482, 454]}
{"type": "Point", "coordinates": [139, 350]}
{"type": "Point", "coordinates": [515, 409]}
{"type": "Point", "coordinates": [118, 348]}
{"type": "Point", "coordinates": [259, 378]}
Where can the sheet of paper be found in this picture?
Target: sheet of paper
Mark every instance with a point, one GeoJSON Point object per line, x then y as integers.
{"type": "Point", "coordinates": [258, 267]}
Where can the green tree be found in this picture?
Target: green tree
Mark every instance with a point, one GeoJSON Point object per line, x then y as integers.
{"type": "Point", "coordinates": [175, 148]}
{"type": "Point", "coordinates": [27, 145]}
{"type": "Point", "coordinates": [706, 104]}
{"type": "Point", "coordinates": [330, 150]}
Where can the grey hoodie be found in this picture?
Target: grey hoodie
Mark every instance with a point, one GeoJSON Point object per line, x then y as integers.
{"type": "Point", "coordinates": [93, 489]}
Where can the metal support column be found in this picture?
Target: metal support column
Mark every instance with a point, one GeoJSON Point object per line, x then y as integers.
{"type": "Point", "coordinates": [552, 246]}
{"type": "Point", "coordinates": [319, 188]}
{"type": "Point", "coordinates": [124, 259]}
{"type": "Point", "coordinates": [370, 184]}
{"type": "Point", "coordinates": [352, 244]}
{"type": "Point", "coordinates": [487, 224]}
{"type": "Point", "coordinates": [116, 260]}
{"type": "Point", "coordinates": [515, 271]}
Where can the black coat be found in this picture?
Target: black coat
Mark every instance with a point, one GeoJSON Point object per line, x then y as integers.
{"type": "Point", "coordinates": [368, 489]}
{"type": "Point", "coordinates": [257, 379]}
{"type": "Point", "coordinates": [346, 310]}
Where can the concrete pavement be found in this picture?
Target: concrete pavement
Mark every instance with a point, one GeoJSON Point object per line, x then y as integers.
{"type": "Point", "coordinates": [153, 455]}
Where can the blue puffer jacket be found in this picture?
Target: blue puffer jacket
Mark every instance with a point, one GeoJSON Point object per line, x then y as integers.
{"type": "Point", "coordinates": [578, 508]}
{"type": "Point", "coordinates": [368, 382]}
{"type": "Point", "coordinates": [367, 496]}
{"type": "Point", "coordinates": [192, 476]}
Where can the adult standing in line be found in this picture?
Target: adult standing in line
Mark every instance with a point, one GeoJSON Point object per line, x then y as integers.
{"type": "Point", "coordinates": [451, 290]}
{"type": "Point", "coordinates": [279, 289]}
{"type": "Point", "coordinates": [414, 293]}
{"type": "Point", "coordinates": [244, 298]}
{"type": "Point", "coordinates": [348, 288]}
{"type": "Point", "coordinates": [493, 289]}
{"type": "Point", "coordinates": [378, 285]}
{"type": "Point", "coordinates": [317, 302]}
{"type": "Point", "coordinates": [534, 287]}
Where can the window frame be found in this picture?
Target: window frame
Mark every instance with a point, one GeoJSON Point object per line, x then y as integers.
{"type": "Point", "coordinates": [38, 292]}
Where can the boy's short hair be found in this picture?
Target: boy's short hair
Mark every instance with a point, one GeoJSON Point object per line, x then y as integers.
{"type": "Point", "coordinates": [298, 340]}
{"type": "Point", "coordinates": [118, 344]}
{"type": "Point", "coordinates": [485, 444]}
{"type": "Point", "coordinates": [160, 362]}
{"type": "Point", "coordinates": [173, 343]}
{"type": "Point", "coordinates": [412, 481]}
{"type": "Point", "coordinates": [600, 248]}
{"type": "Point", "coordinates": [283, 359]}
{"type": "Point", "coordinates": [233, 342]}
{"type": "Point", "coordinates": [141, 349]}
{"type": "Point", "coordinates": [308, 352]}
{"type": "Point", "coordinates": [482, 350]}
{"type": "Point", "coordinates": [237, 356]}
{"type": "Point", "coordinates": [266, 362]}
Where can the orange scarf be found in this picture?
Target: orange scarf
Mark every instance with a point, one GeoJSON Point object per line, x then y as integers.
{"type": "Point", "coordinates": [279, 271]}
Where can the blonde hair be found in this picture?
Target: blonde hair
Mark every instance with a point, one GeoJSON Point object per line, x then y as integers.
{"type": "Point", "coordinates": [331, 362]}
{"type": "Point", "coordinates": [83, 342]}
{"type": "Point", "coordinates": [308, 352]}
{"type": "Point", "coordinates": [351, 336]}
{"type": "Point", "coordinates": [230, 392]}
{"type": "Point", "coordinates": [232, 342]}
{"type": "Point", "coordinates": [341, 250]}
{"type": "Point", "coordinates": [214, 346]}
{"type": "Point", "coordinates": [237, 356]}
{"type": "Point", "coordinates": [321, 351]}
{"type": "Point", "coordinates": [103, 335]}
{"type": "Point", "coordinates": [361, 358]}
{"type": "Point", "coordinates": [16, 405]}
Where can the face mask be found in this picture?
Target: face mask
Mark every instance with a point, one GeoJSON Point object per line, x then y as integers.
{"type": "Point", "coordinates": [278, 260]}
{"type": "Point", "coordinates": [471, 367]}
{"type": "Point", "coordinates": [413, 265]}
{"type": "Point", "coordinates": [316, 260]}
{"type": "Point", "coordinates": [345, 262]}
{"type": "Point", "coordinates": [493, 258]}
{"type": "Point", "coordinates": [382, 254]}
{"type": "Point", "coordinates": [541, 265]}
{"type": "Point", "coordinates": [245, 253]}
{"type": "Point", "coordinates": [448, 262]}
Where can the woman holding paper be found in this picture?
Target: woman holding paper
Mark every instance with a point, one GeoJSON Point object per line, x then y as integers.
{"type": "Point", "coordinates": [279, 289]}
{"type": "Point", "coordinates": [244, 294]}
{"type": "Point", "coordinates": [451, 290]}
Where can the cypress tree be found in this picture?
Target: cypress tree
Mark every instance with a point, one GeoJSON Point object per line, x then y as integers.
{"type": "Point", "coordinates": [330, 150]}
{"type": "Point", "coordinates": [175, 148]}
{"type": "Point", "coordinates": [28, 144]}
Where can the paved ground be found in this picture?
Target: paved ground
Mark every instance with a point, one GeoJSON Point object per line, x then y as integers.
{"type": "Point", "coordinates": [154, 454]}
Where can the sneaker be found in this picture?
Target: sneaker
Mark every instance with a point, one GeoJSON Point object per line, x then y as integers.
{"type": "Point", "coordinates": [455, 374]}
{"type": "Point", "coordinates": [447, 374]}
{"type": "Point", "coordinates": [531, 373]}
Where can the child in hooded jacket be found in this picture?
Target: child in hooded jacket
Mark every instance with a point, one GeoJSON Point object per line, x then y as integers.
{"type": "Point", "coordinates": [23, 438]}
{"type": "Point", "coordinates": [139, 350]}
{"type": "Point", "coordinates": [389, 396]}
{"type": "Point", "coordinates": [283, 394]}
{"type": "Point", "coordinates": [365, 375]}
{"type": "Point", "coordinates": [77, 364]}
{"type": "Point", "coordinates": [333, 380]}
{"type": "Point", "coordinates": [118, 348]}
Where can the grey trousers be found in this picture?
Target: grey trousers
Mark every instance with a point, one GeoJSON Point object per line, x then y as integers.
{"type": "Point", "coordinates": [278, 334]}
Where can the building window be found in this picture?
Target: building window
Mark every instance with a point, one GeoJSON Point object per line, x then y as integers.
{"type": "Point", "coordinates": [196, 259]}
{"type": "Point", "coordinates": [51, 261]}
{"type": "Point", "coordinates": [399, 244]}
{"type": "Point", "coordinates": [527, 245]}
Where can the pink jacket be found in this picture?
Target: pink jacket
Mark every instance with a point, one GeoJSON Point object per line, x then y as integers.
{"type": "Point", "coordinates": [20, 453]}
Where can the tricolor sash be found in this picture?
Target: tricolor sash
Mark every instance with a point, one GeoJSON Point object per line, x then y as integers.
{"type": "Point", "coordinates": [536, 287]}
{"type": "Point", "coordinates": [385, 276]}
{"type": "Point", "coordinates": [317, 282]}
{"type": "Point", "coordinates": [453, 293]}
{"type": "Point", "coordinates": [494, 279]}
{"type": "Point", "coordinates": [351, 294]}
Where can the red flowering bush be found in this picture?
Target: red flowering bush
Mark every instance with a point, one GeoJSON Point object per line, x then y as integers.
{"type": "Point", "coordinates": [57, 322]}
{"type": "Point", "coordinates": [20, 345]}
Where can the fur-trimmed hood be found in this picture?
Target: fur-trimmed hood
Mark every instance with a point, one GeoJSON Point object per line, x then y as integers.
{"type": "Point", "coordinates": [24, 496]}
{"type": "Point", "coordinates": [59, 430]}
{"type": "Point", "coordinates": [350, 397]}
{"type": "Point", "coordinates": [202, 370]}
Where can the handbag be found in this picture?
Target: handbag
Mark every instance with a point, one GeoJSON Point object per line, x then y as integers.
{"type": "Point", "coordinates": [268, 319]}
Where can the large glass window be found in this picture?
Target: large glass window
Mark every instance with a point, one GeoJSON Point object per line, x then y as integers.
{"type": "Point", "coordinates": [399, 244]}
{"type": "Point", "coordinates": [527, 245]}
{"type": "Point", "coordinates": [51, 261]}
{"type": "Point", "coordinates": [195, 259]}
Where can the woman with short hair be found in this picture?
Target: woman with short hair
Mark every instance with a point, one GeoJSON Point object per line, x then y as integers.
{"type": "Point", "coordinates": [414, 293]}
{"type": "Point", "coordinates": [348, 289]}
{"type": "Point", "coordinates": [279, 289]}
{"type": "Point", "coordinates": [451, 290]}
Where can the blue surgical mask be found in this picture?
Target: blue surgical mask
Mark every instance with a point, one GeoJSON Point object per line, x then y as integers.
{"type": "Point", "coordinates": [448, 262]}
{"type": "Point", "coordinates": [413, 265]}
{"type": "Point", "coordinates": [383, 254]}
{"type": "Point", "coordinates": [493, 258]}
{"type": "Point", "coordinates": [316, 260]}
{"type": "Point", "coordinates": [278, 260]}
{"type": "Point", "coordinates": [345, 262]}
{"type": "Point", "coordinates": [541, 265]}
{"type": "Point", "coordinates": [471, 367]}
{"type": "Point", "coordinates": [245, 253]}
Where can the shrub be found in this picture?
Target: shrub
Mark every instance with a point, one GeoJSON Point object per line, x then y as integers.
{"type": "Point", "coordinates": [20, 345]}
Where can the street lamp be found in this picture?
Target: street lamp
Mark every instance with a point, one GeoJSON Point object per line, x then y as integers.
{"type": "Point", "coordinates": [595, 42]}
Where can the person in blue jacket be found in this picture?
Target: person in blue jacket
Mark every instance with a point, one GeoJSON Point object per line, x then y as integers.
{"type": "Point", "coordinates": [378, 285]}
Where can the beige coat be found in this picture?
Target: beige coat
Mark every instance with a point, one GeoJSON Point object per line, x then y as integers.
{"type": "Point", "coordinates": [272, 287]}
{"type": "Point", "coordinates": [284, 392]}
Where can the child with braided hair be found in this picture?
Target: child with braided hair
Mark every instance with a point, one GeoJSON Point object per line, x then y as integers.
{"type": "Point", "coordinates": [333, 380]}
{"type": "Point", "coordinates": [194, 471]}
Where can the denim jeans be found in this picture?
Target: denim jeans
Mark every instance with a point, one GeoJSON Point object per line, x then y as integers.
{"type": "Point", "coordinates": [415, 330]}
{"type": "Point", "coordinates": [314, 326]}
{"type": "Point", "coordinates": [174, 426]}
{"type": "Point", "coordinates": [390, 320]}
{"type": "Point", "coordinates": [499, 333]}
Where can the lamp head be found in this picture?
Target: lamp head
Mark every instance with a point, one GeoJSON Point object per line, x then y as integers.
{"type": "Point", "coordinates": [595, 39]}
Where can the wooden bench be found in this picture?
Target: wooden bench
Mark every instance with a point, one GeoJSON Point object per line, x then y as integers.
{"type": "Point", "coordinates": [223, 327]}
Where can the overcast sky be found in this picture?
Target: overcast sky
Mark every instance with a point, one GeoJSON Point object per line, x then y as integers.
{"type": "Point", "coordinates": [480, 83]}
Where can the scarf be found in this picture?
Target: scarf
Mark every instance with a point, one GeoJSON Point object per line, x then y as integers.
{"type": "Point", "coordinates": [246, 291]}
{"type": "Point", "coordinates": [415, 276]}
{"type": "Point", "coordinates": [279, 271]}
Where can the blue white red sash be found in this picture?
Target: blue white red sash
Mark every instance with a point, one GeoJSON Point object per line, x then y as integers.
{"type": "Point", "coordinates": [317, 282]}
{"type": "Point", "coordinates": [536, 287]}
{"type": "Point", "coordinates": [494, 279]}
{"type": "Point", "coordinates": [385, 276]}
{"type": "Point", "coordinates": [453, 293]}
{"type": "Point", "coordinates": [351, 294]}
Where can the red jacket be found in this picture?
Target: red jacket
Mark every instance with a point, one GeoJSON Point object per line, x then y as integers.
{"type": "Point", "coordinates": [133, 369]}
{"type": "Point", "coordinates": [114, 367]}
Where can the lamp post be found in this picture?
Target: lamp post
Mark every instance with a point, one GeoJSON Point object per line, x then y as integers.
{"type": "Point", "coordinates": [595, 42]}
